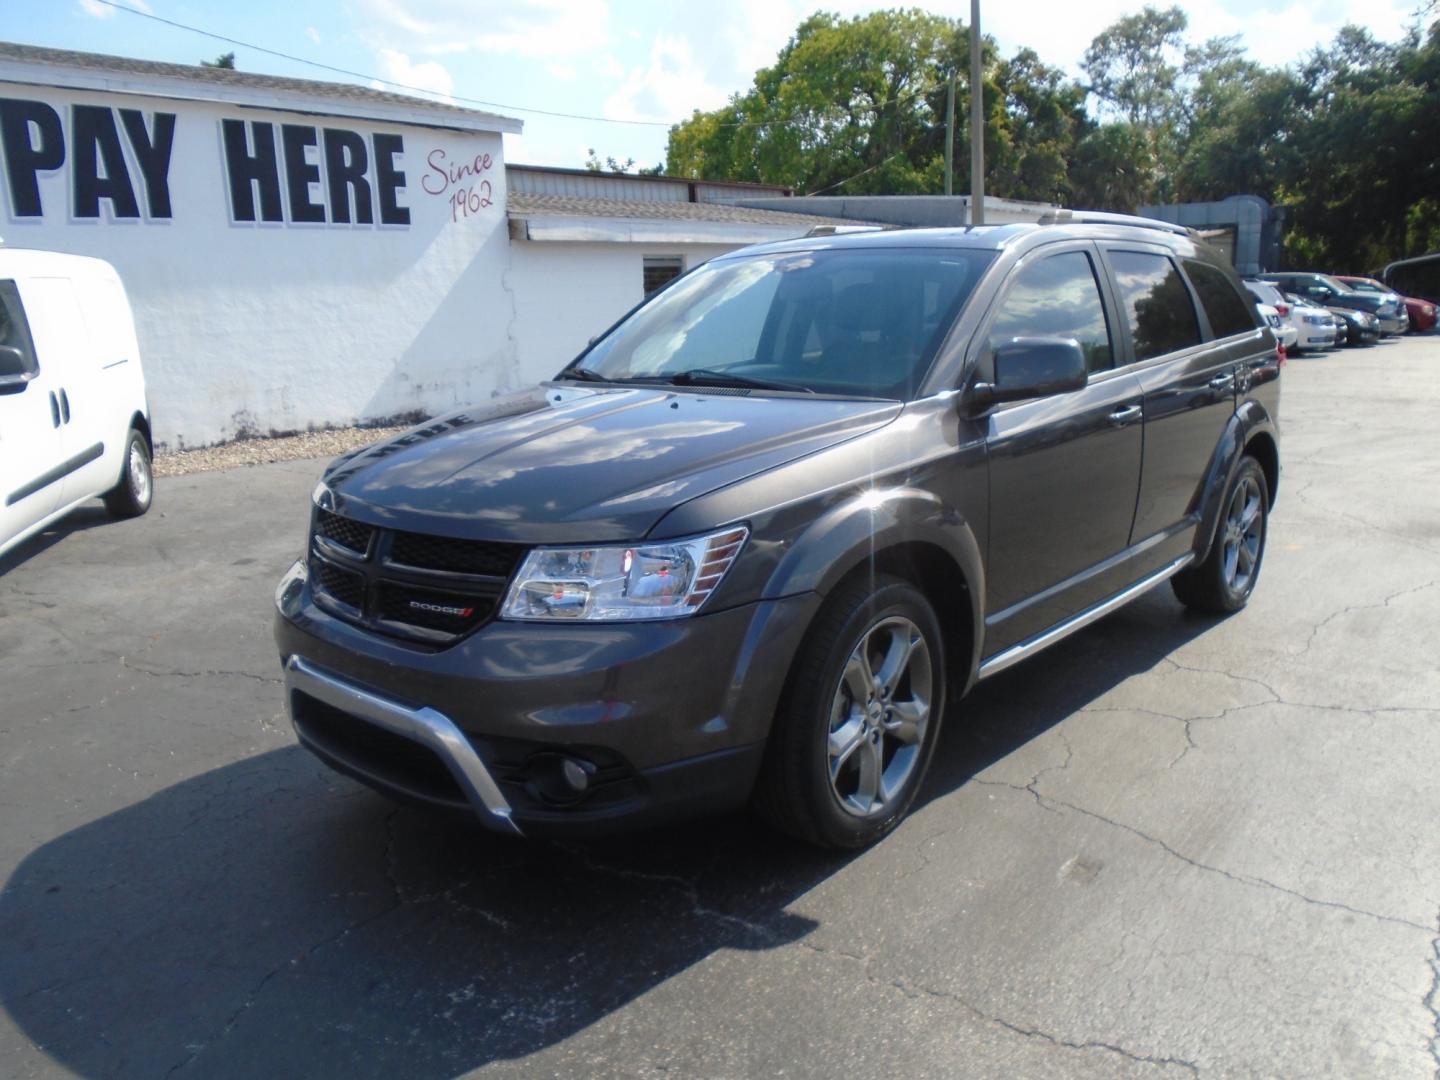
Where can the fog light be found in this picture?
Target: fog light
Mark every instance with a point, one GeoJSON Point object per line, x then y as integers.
{"type": "Point", "coordinates": [575, 774]}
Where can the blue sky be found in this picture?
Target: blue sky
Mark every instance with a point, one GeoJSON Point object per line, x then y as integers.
{"type": "Point", "coordinates": [625, 60]}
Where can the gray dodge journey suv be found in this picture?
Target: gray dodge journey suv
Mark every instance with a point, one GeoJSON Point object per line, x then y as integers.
{"type": "Point", "coordinates": [747, 546]}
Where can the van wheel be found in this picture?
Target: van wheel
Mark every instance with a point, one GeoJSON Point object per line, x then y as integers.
{"type": "Point", "coordinates": [1224, 581]}
{"type": "Point", "coordinates": [859, 720]}
{"type": "Point", "coordinates": [131, 497]}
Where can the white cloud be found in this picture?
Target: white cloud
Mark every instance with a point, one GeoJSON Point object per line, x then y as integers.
{"type": "Point", "coordinates": [563, 72]}
{"type": "Point", "coordinates": [529, 28]}
{"type": "Point", "coordinates": [667, 87]}
{"type": "Point", "coordinates": [429, 76]}
{"type": "Point", "coordinates": [313, 34]}
{"type": "Point", "coordinates": [97, 10]}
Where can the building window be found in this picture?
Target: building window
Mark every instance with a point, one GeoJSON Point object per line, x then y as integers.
{"type": "Point", "coordinates": [660, 270]}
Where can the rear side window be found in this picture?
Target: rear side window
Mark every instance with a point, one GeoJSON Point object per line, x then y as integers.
{"type": "Point", "coordinates": [1055, 297]}
{"type": "Point", "coordinates": [1156, 303]}
{"type": "Point", "coordinates": [1227, 311]}
{"type": "Point", "coordinates": [14, 329]}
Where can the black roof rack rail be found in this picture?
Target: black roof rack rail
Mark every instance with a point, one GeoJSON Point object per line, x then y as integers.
{"type": "Point", "coordinates": [1096, 217]}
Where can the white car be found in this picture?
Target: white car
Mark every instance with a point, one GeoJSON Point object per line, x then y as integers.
{"type": "Point", "coordinates": [1316, 326]}
{"type": "Point", "coordinates": [1284, 333]}
{"type": "Point", "coordinates": [74, 422]}
{"type": "Point", "coordinates": [1264, 292]}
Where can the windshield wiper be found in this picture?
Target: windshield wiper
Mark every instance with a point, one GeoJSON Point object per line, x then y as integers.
{"type": "Point", "coordinates": [582, 375]}
{"type": "Point", "coordinates": [711, 377]}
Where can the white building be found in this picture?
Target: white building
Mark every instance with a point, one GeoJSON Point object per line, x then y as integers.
{"type": "Point", "coordinates": [301, 254]}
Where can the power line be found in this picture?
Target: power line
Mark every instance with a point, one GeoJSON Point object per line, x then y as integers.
{"type": "Point", "coordinates": [862, 172]}
{"type": "Point", "coordinates": [458, 97]}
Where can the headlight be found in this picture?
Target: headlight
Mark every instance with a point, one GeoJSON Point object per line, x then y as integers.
{"type": "Point", "coordinates": [633, 581]}
{"type": "Point", "coordinates": [323, 497]}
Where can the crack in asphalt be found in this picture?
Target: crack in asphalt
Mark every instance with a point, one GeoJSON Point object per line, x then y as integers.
{"type": "Point", "coordinates": [129, 665]}
{"type": "Point", "coordinates": [1242, 879]}
{"type": "Point", "coordinates": [1365, 523]}
{"type": "Point", "coordinates": [1431, 1000]}
{"type": "Point", "coordinates": [1314, 633]}
{"type": "Point", "coordinates": [912, 989]}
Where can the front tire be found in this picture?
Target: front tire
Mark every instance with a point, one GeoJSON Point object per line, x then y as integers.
{"type": "Point", "coordinates": [132, 496]}
{"type": "Point", "coordinates": [859, 719]}
{"type": "Point", "coordinates": [1224, 581]}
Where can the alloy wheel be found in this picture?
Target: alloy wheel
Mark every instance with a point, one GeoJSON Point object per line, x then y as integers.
{"type": "Point", "coordinates": [1244, 531]}
{"type": "Point", "coordinates": [878, 716]}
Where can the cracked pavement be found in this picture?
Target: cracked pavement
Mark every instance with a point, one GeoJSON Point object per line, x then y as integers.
{"type": "Point", "coordinates": [1168, 846]}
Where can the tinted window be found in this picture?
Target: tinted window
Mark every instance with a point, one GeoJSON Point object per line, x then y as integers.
{"type": "Point", "coordinates": [1227, 311]}
{"type": "Point", "coordinates": [1055, 297]}
{"type": "Point", "coordinates": [859, 322]}
{"type": "Point", "coordinates": [1156, 303]}
{"type": "Point", "coordinates": [14, 330]}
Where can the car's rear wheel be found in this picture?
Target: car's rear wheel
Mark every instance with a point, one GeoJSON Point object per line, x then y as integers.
{"type": "Point", "coordinates": [1224, 581]}
{"type": "Point", "coordinates": [858, 723]}
{"type": "Point", "coordinates": [132, 496]}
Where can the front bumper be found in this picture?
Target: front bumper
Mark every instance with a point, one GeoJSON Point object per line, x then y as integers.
{"type": "Point", "coordinates": [665, 718]}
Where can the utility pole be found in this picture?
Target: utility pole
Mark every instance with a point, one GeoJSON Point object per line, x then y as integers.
{"type": "Point", "coordinates": [977, 121]}
{"type": "Point", "coordinates": [950, 136]}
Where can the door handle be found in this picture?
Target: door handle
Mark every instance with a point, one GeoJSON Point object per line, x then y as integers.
{"type": "Point", "coordinates": [1125, 414]}
{"type": "Point", "coordinates": [1222, 382]}
{"type": "Point", "coordinates": [54, 409]}
{"type": "Point", "coordinates": [64, 405]}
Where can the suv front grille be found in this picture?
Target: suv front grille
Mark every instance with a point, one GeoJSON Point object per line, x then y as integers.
{"type": "Point", "coordinates": [347, 532]}
{"type": "Point", "coordinates": [429, 589]}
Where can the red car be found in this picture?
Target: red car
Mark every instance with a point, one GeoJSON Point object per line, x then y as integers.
{"type": "Point", "coordinates": [1422, 312]}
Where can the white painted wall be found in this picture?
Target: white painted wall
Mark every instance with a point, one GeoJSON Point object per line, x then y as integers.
{"type": "Point", "coordinates": [267, 327]}
{"type": "Point", "coordinates": [566, 293]}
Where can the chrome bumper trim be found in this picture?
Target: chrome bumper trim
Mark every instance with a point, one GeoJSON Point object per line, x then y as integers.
{"type": "Point", "coordinates": [1013, 655]}
{"type": "Point", "coordinates": [431, 729]}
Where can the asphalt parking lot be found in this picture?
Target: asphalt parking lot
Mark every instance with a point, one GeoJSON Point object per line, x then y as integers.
{"type": "Point", "coordinates": [1169, 845]}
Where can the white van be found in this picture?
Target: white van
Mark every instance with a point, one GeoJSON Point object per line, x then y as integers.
{"type": "Point", "coordinates": [74, 422]}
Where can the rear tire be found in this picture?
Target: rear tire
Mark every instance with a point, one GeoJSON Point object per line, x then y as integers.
{"type": "Point", "coordinates": [132, 496]}
{"type": "Point", "coordinates": [859, 719]}
{"type": "Point", "coordinates": [1224, 581]}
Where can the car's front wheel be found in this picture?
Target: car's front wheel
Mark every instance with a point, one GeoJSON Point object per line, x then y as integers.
{"type": "Point", "coordinates": [131, 497]}
{"type": "Point", "coordinates": [858, 723]}
{"type": "Point", "coordinates": [1224, 581]}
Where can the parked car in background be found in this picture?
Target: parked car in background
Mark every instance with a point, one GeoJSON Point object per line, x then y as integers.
{"type": "Point", "coordinates": [1421, 312]}
{"type": "Point", "coordinates": [1266, 293]}
{"type": "Point", "coordinates": [1333, 293]}
{"type": "Point", "coordinates": [1316, 326]}
{"type": "Point", "coordinates": [1284, 333]}
{"type": "Point", "coordinates": [1361, 328]}
{"type": "Point", "coordinates": [748, 544]}
{"type": "Point", "coordinates": [74, 422]}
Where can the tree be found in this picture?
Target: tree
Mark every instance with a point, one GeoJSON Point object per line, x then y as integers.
{"type": "Point", "coordinates": [1133, 66]}
{"type": "Point", "coordinates": [224, 60]}
{"type": "Point", "coordinates": [858, 106]}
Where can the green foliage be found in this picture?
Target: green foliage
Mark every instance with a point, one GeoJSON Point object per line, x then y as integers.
{"type": "Point", "coordinates": [224, 60]}
{"type": "Point", "coordinates": [1344, 138]}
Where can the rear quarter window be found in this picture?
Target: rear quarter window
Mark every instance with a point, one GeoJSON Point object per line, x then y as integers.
{"type": "Point", "coordinates": [1156, 303]}
{"type": "Point", "coordinates": [1224, 307]}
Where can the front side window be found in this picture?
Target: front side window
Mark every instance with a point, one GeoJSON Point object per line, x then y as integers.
{"type": "Point", "coordinates": [857, 322]}
{"type": "Point", "coordinates": [1055, 297]}
{"type": "Point", "coordinates": [14, 329]}
{"type": "Point", "coordinates": [1156, 303]}
{"type": "Point", "coordinates": [1224, 307]}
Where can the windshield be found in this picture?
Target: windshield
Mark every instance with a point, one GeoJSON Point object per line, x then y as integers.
{"type": "Point", "coordinates": [857, 323]}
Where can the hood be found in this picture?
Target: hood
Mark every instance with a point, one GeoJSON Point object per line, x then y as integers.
{"type": "Point", "coordinates": [567, 464]}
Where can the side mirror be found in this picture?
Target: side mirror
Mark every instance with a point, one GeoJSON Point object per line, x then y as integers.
{"type": "Point", "coordinates": [1030, 367]}
{"type": "Point", "coordinates": [15, 370]}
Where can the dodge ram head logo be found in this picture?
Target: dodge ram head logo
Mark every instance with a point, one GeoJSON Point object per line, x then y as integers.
{"type": "Point", "coordinates": [442, 609]}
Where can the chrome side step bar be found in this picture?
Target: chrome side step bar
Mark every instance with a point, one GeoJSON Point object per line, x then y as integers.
{"type": "Point", "coordinates": [431, 729]}
{"type": "Point", "coordinates": [1013, 655]}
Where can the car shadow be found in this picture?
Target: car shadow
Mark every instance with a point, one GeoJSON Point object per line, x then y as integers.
{"type": "Point", "coordinates": [81, 519]}
{"type": "Point", "coordinates": [271, 918]}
